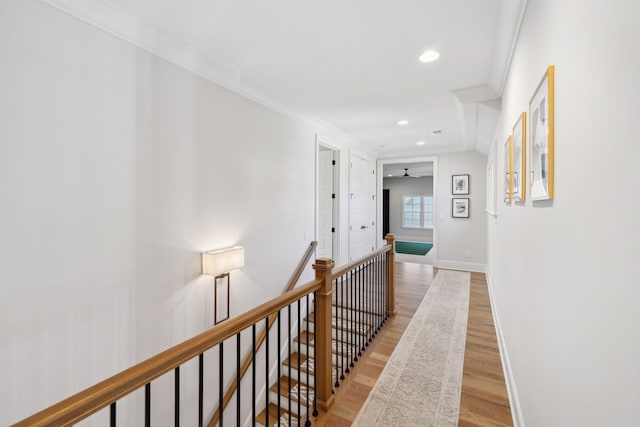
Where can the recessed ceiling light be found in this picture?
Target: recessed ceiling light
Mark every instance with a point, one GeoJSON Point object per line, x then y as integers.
{"type": "Point", "coordinates": [420, 143]}
{"type": "Point", "coordinates": [429, 56]}
{"type": "Point", "coordinates": [436, 132]}
{"type": "Point", "coordinates": [403, 122]}
{"type": "Point", "coordinates": [389, 175]}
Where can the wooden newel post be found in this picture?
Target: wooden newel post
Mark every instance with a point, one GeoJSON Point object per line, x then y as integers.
{"type": "Point", "coordinates": [391, 309]}
{"type": "Point", "coordinates": [322, 334]}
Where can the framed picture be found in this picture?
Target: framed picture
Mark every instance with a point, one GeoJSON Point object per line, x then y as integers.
{"type": "Point", "coordinates": [541, 112]}
{"type": "Point", "coordinates": [508, 169]}
{"type": "Point", "coordinates": [221, 298]}
{"type": "Point", "coordinates": [491, 180]}
{"type": "Point", "coordinates": [460, 208]}
{"type": "Point", "coordinates": [460, 184]}
{"type": "Point", "coordinates": [519, 158]}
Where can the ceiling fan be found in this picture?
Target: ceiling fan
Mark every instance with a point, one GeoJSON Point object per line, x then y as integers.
{"type": "Point", "coordinates": [406, 174]}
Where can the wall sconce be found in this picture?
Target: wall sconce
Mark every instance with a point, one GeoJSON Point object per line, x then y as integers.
{"type": "Point", "coordinates": [219, 263]}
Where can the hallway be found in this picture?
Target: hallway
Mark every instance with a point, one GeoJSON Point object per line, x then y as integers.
{"type": "Point", "coordinates": [484, 398]}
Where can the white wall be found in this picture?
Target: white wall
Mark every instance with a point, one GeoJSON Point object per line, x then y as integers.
{"type": "Point", "coordinates": [458, 235]}
{"type": "Point", "coordinates": [117, 169]}
{"type": "Point", "coordinates": [406, 186]}
{"type": "Point", "coordinates": [563, 274]}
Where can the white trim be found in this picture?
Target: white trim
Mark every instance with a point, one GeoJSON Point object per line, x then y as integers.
{"type": "Point", "coordinates": [321, 141]}
{"type": "Point", "coordinates": [514, 401]}
{"type": "Point", "coordinates": [411, 239]}
{"type": "Point", "coordinates": [121, 24]}
{"type": "Point", "coordinates": [417, 159]}
{"type": "Point", "coordinates": [464, 266]}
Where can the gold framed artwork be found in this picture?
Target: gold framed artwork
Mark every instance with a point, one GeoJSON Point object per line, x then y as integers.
{"type": "Point", "coordinates": [508, 168]}
{"type": "Point", "coordinates": [541, 113]}
{"type": "Point", "coordinates": [519, 166]}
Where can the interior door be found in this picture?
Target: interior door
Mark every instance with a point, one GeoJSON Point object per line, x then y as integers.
{"type": "Point", "coordinates": [325, 204]}
{"type": "Point", "coordinates": [362, 208]}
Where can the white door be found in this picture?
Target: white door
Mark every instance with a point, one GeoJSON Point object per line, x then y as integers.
{"type": "Point", "coordinates": [325, 204]}
{"type": "Point", "coordinates": [362, 208]}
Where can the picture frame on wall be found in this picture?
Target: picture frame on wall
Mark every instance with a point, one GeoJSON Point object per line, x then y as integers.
{"type": "Point", "coordinates": [460, 207]}
{"type": "Point", "coordinates": [508, 168]}
{"type": "Point", "coordinates": [519, 158]}
{"type": "Point", "coordinates": [541, 113]}
{"type": "Point", "coordinates": [221, 298]}
{"type": "Point", "coordinates": [460, 184]}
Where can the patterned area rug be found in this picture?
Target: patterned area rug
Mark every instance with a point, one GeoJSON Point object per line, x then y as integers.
{"type": "Point", "coordinates": [420, 386]}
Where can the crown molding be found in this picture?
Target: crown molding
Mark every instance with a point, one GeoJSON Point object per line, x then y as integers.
{"type": "Point", "coordinates": [505, 40]}
{"type": "Point", "coordinates": [121, 24]}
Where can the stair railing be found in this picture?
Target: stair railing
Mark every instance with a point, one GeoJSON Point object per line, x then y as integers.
{"type": "Point", "coordinates": [362, 291]}
{"type": "Point", "coordinates": [248, 360]}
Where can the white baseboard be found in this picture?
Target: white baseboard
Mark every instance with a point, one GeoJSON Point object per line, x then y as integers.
{"type": "Point", "coordinates": [411, 239]}
{"type": "Point", "coordinates": [514, 401]}
{"type": "Point", "coordinates": [459, 265]}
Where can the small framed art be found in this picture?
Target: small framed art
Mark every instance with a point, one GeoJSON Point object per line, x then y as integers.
{"type": "Point", "coordinates": [508, 169]}
{"type": "Point", "coordinates": [460, 184]}
{"type": "Point", "coordinates": [541, 112]}
{"type": "Point", "coordinates": [519, 158]}
{"type": "Point", "coordinates": [221, 298]}
{"type": "Point", "coordinates": [460, 207]}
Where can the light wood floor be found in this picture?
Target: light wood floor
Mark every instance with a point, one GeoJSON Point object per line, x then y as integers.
{"type": "Point", "coordinates": [484, 401]}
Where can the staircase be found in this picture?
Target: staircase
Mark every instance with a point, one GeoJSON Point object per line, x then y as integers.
{"type": "Point", "coordinates": [293, 392]}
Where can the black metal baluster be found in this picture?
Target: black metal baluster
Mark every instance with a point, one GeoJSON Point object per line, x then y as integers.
{"type": "Point", "coordinates": [253, 375]}
{"type": "Point", "coordinates": [308, 356]}
{"type": "Point", "coordinates": [354, 326]}
{"type": "Point", "coordinates": [315, 354]}
{"type": "Point", "coordinates": [201, 390]}
{"type": "Point", "coordinates": [356, 283]}
{"type": "Point", "coordinates": [344, 347]}
{"type": "Point", "coordinates": [337, 333]}
{"type": "Point", "coordinates": [176, 403]}
{"type": "Point", "coordinates": [220, 384]}
{"type": "Point", "coordinates": [362, 302]}
{"type": "Point", "coordinates": [340, 343]}
{"type": "Point", "coordinates": [279, 373]}
{"type": "Point", "coordinates": [380, 287]}
{"type": "Point", "coordinates": [376, 269]}
{"type": "Point", "coordinates": [266, 375]}
{"type": "Point", "coordinates": [112, 415]}
{"type": "Point", "coordinates": [345, 280]}
{"type": "Point", "coordinates": [354, 310]}
{"type": "Point", "coordinates": [299, 338]}
{"type": "Point", "coordinates": [147, 405]}
{"type": "Point", "coordinates": [388, 284]}
{"type": "Point", "coordinates": [238, 377]}
{"type": "Point", "coordinates": [289, 358]}
{"type": "Point", "coordinates": [370, 303]}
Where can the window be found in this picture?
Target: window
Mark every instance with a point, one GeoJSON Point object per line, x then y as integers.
{"type": "Point", "coordinates": [417, 211]}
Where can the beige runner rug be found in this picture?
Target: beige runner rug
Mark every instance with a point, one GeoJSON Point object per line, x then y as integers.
{"type": "Point", "coordinates": [420, 385]}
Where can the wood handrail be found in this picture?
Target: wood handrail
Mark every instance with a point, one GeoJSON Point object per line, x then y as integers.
{"type": "Point", "coordinates": [246, 363]}
{"type": "Point", "coordinates": [348, 267]}
{"type": "Point", "coordinates": [91, 400]}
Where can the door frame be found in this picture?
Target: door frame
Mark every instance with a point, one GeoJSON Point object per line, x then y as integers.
{"type": "Point", "coordinates": [424, 159]}
{"type": "Point", "coordinates": [335, 240]}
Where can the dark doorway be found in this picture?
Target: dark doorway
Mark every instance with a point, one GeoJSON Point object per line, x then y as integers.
{"type": "Point", "coordinates": [385, 212]}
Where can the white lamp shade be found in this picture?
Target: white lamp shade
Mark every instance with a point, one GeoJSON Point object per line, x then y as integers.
{"type": "Point", "coordinates": [222, 260]}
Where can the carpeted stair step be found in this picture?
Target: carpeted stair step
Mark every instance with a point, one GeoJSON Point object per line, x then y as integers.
{"type": "Point", "coordinates": [273, 417]}
{"type": "Point", "coordinates": [341, 350]}
{"type": "Point", "coordinates": [343, 328]}
{"type": "Point", "coordinates": [307, 364]}
{"type": "Point", "coordinates": [294, 391]}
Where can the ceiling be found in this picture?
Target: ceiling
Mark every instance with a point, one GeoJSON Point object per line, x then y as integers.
{"type": "Point", "coordinates": [397, 170]}
{"type": "Point", "coordinates": [352, 65]}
